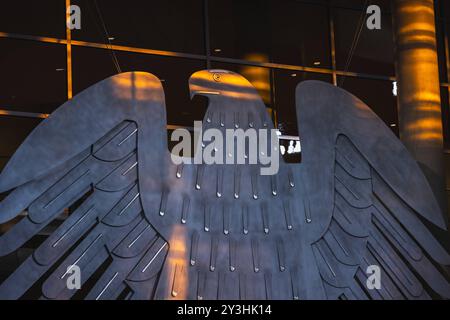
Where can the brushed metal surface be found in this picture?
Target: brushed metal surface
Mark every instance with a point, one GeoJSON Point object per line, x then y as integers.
{"type": "Point", "coordinates": [220, 231]}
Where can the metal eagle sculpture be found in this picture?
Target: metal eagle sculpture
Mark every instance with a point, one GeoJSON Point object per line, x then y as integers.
{"type": "Point", "coordinates": [157, 230]}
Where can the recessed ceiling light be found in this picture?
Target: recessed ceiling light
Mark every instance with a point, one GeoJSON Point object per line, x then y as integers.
{"type": "Point", "coordinates": [217, 50]}
{"type": "Point", "coordinates": [317, 63]}
{"type": "Point", "coordinates": [393, 125]}
{"type": "Point", "coordinates": [60, 69]}
{"type": "Point", "coordinates": [111, 38]}
{"type": "Point", "coordinates": [293, 74]}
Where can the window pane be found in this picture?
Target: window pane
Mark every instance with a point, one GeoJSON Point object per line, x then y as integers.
{"type": "Point", "coordinates": [33, 76]}
{"type": "Point", "coordinates": [385, 5]}
{"type": "Point", "coordinates": [442, 30]}
{"type": "Point", "coordinates": [259, 77]}
{"type": "Point", "coordinates": [443, 74]}
{"type": "Point", "coordinates": [173, 25]}
{"type": "Point", "coordinates": [90, 66]}
{"type": "Point", "coordinates": [378, 95]}
{"type": "Point", "coordinates": [13, 131]}
{"type": "Point", "coordinates": [280, 31]}
{"type": "Point", "coordinates": [93, 65]}
{"type": "Point", "coordinates": [38, 18]}
{"type": "Point", "coordinates": [374, 50]}
{"type": "Point", "coordinates": [445, 9]}
{"type": "Point", "coordinates": [444, 47]}
{"type": "Point", "coordinates": [300, 34]}
{"type": "Point", "coordinates": [286, 82]}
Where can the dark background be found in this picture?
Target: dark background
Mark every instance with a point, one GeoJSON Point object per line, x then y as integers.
{"type": "Point", "coordinates": [274, 43]}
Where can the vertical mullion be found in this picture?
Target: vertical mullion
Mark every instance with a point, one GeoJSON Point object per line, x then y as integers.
{"type": "Point", "coordinates": [69, 52]}
{"type": "Point", "coordinates": [332, 42]}
{"type": "Point", "coordinates": [274, 113]}
{"type": "Point", "coordinates": [207, 40]}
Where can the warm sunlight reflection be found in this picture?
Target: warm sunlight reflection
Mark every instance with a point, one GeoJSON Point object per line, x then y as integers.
{"type": "Point", "coordinates": [259, 77]}
{"type": "Point", "coordinates": [224, 83]}
{"type": "Point", "coordinates": [177, 260]}
{"type": "Point", "coordinates": [419, 86]}
{"type": "Point", "coordinates": [137, 85]}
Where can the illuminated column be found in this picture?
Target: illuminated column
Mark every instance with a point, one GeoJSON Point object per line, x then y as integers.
{"type": "Point", "coordinates": [419, 100]}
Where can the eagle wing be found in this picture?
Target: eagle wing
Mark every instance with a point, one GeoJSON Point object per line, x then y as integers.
{"type": "Point", "coordinates": [88, 155]}
{"type": "Point", "coordinates": [378, 199]}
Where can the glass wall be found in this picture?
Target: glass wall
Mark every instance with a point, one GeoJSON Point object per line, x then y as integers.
{"type": "Point", "coordinates": [274, 43]}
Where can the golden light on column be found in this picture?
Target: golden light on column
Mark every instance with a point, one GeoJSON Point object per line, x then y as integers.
{"type": "Point", "coordinates": [69, 52]}
{"type": "Point", "coordinates": [419, 100]}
